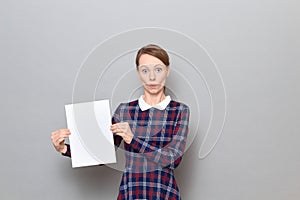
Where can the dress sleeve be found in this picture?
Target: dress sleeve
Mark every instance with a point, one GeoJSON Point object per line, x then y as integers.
{"type": "Point", "coordinates": [116, 119]}
{"type": "Point", "coordinates": [171, 155]}
{"type": "Point", "coordinates": [68, 152]}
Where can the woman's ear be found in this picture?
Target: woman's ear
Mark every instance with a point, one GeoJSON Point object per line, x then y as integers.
{"type": "Point", "coordinates": [168, 71]}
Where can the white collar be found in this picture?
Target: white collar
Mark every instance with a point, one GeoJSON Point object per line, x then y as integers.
{"type": "Point", "coordinates": [161, 105]}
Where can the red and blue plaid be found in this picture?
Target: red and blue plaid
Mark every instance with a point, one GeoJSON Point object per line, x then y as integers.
{"type": "Point", "coordinates": [154, 152]}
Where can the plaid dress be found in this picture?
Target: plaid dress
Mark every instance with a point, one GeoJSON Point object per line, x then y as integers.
{"type": "Point", "coordinates": [154, 152]}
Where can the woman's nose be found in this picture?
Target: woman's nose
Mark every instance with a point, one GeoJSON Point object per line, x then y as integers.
{"type": "Point", "coordinates": [152, 76]}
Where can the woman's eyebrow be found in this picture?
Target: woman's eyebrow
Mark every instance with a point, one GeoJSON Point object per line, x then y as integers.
{"type": "Point", "coordinates": [152, 65]}
{"type": "Point", "coordinates": [159, 65]}
{"type": "Point", "coordinates": [143, 66]}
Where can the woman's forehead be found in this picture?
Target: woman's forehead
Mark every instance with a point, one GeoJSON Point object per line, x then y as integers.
{"type": "Point", "coordinates": [149, 59]}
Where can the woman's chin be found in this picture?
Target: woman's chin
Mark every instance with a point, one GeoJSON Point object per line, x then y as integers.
{"type": "Point", "coordinates": [154, 91]}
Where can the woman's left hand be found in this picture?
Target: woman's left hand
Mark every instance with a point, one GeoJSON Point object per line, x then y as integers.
{"type": "Point", "coordinates": [123, 130]}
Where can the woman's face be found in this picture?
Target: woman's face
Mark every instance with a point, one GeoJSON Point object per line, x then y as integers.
{"type": "Point", "coordinates": [153, 73]}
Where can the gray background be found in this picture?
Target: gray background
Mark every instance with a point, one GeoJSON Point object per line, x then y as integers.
{"type": "Point", "coordinates": [255, 44]}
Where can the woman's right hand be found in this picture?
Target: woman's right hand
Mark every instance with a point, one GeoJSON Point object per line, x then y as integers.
{"type": "Point", "coordinates": [58, 139]}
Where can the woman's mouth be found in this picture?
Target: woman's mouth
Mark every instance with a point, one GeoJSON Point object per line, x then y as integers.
{"type": "Point", "coordinates": [152, 85]}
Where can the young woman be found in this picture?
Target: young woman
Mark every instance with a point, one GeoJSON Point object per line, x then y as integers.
{"type": "Point", "coordinates": [154, 129]}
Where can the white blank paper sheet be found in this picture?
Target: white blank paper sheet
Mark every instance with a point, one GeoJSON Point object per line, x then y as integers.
{"type": "Point", "coordinates": [91, 140]}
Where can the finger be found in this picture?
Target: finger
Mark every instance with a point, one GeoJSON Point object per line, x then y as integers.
{"type": "Point", "coordinates": [120, 134]}
{"type": "Point", "coordinates": [112, 129]}
{"type": "Point", "coordinates": [62, 134]}
{"type": "Point", "coordinates": [124, 127]}
{"type": "Point", "coordinates": [64, 129]}
{"type": "Point", "coordinates": [114, 126]}
{"type": "Point", "coordinates": [54, 133]}
{"type": "Point", "coordinates": [61, 131]}
{"type": "Point", "coordinates": [54, 137]}
{"type": "Point", "coordinates": [118, 125]}
{"type": "Point", "coordinates": [60, 140]}
{"type": "Point", "coordinates": [58, 136]}
{"type": "Point", "coordinates": [116, 130]}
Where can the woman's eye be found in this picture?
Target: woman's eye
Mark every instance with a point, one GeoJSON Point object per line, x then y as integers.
{"type": "Point", "coordinates": [158, 69]}
{"type": "Point", "coordinates": [144, 71]}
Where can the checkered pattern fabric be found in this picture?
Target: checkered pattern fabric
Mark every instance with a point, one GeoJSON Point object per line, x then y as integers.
{"type": "Point", "coordinates": [154, 152]}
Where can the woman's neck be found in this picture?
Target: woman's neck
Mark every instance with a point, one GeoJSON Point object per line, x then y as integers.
{"type": "Point", "coordinates": [153, 99]}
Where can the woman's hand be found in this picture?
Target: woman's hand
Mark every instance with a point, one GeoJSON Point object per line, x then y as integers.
{"type": "Point", "coordinates": [123, 130]}
{"type": "Point", "coordinates": [58, 139]}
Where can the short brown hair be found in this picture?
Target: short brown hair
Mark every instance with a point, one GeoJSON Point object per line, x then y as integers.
{"type": "Point", "coordinates": [153, 50]}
